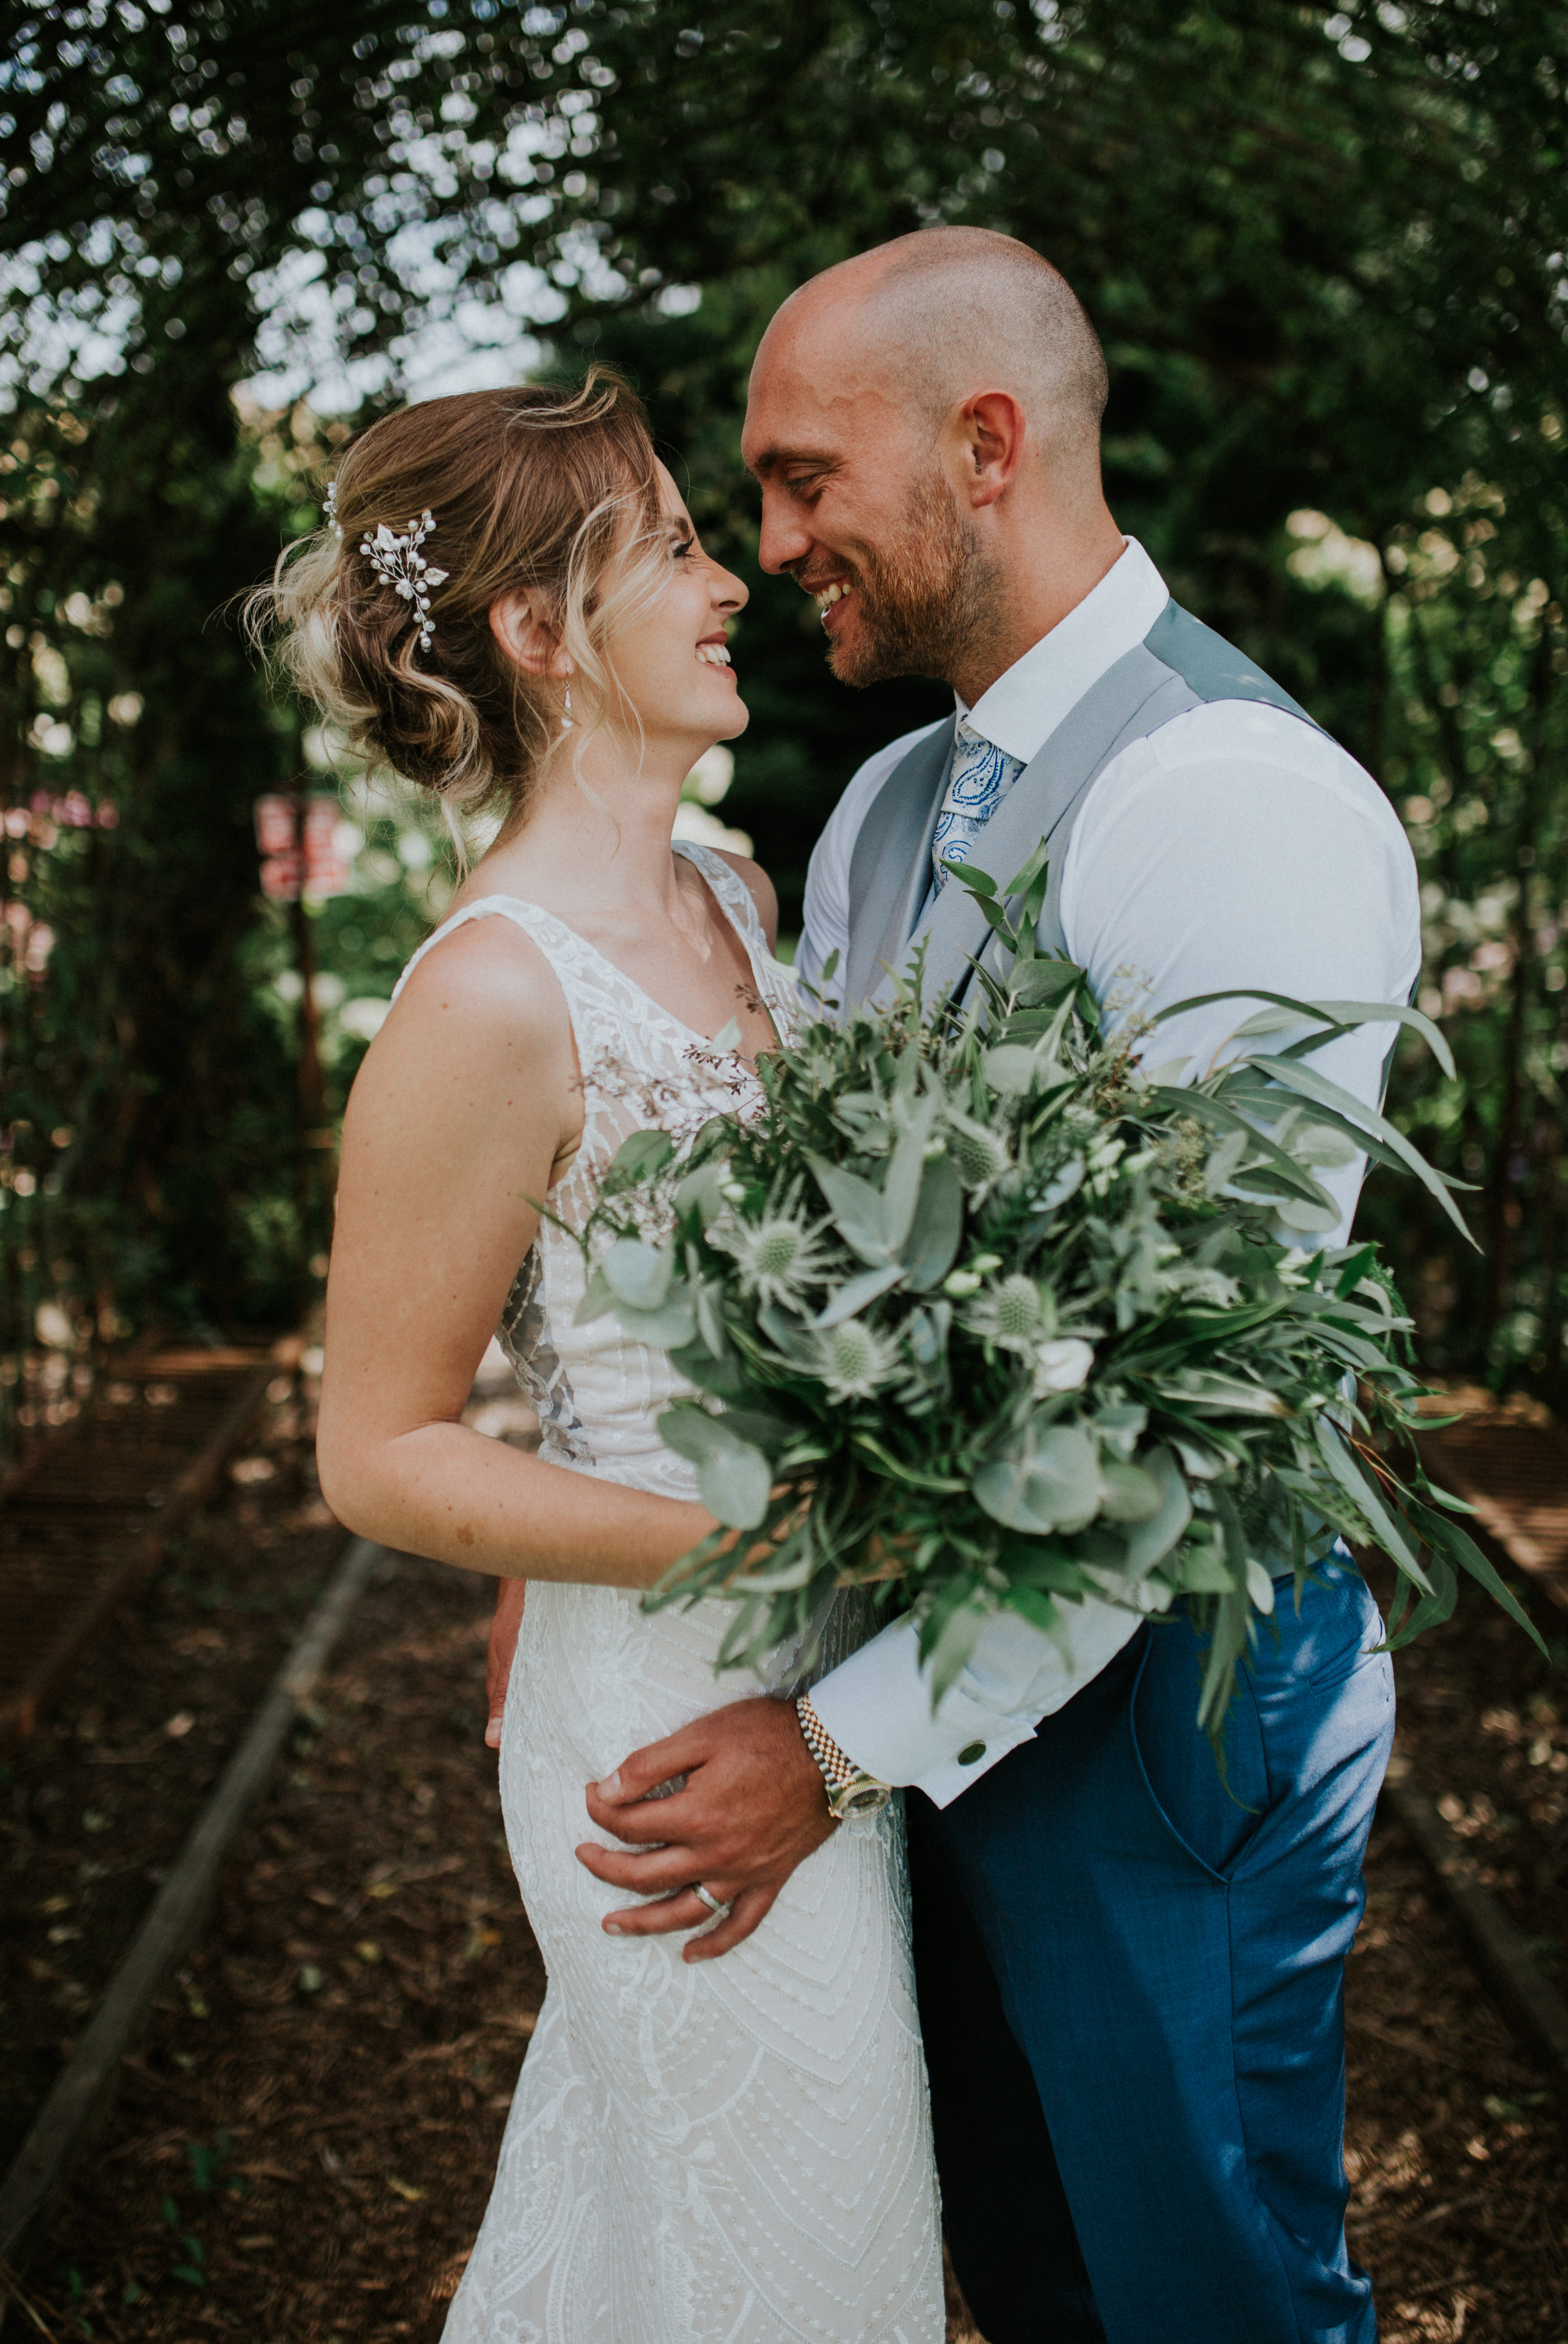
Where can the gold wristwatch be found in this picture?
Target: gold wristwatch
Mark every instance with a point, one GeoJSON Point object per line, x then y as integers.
{"type": "Point", "coordinates": [851, 1791]}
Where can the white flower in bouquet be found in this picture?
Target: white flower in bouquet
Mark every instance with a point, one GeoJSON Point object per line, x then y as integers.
{"type": "Point", "coordinates": [1062, 1365]}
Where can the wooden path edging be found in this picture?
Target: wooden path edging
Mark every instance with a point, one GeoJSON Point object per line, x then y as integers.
{"type": "Point", "coordinates": [85, 2090]}
{"type": "Point", "coordinates": [1502, 1950]}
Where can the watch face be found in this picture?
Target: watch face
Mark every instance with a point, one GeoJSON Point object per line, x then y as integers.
{"type": "Point", "coordinates": [866, 1799]}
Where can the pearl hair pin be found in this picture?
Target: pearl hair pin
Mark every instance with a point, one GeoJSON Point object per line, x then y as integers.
{"type": "Point", "coordinates": [399, 563]}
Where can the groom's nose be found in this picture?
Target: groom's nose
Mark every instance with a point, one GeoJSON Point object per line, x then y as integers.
{"type": "Point", "coordinates": [785, 542]}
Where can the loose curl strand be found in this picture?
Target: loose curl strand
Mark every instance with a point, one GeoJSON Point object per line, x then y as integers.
{"type": "Point", "coordinates": [533, 489]}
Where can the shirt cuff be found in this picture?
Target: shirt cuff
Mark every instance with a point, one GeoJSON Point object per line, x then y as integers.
{"type": "Point", "coordinates": [877, 1704]}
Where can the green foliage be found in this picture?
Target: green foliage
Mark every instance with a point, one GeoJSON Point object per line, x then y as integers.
{"type": "Point", "coordinates": [983, 1318]}
{"type": "Point", "coordinates": [1476, 748]}
{"type": "Point", "coordinates": [1327, 266]}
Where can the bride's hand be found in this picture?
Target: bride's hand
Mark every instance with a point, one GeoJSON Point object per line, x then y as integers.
{"type": "Point", "coordinates": [503, 1633]}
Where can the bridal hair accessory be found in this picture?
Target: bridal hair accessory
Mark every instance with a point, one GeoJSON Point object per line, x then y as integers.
{"type": "Point", "coordinates": [399, 563]}
{"type": "Point", "coordinates": [329, 509]}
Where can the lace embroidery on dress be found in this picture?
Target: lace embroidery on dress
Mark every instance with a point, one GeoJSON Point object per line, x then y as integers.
{"type": "Point", "coordinates": [524, 1336]}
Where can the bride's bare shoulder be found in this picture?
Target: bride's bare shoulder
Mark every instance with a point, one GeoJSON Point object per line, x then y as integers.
{"type": "Point", "coordinates": [488, 968]}
{"type": "Point", "coordinates": [481, 1000]}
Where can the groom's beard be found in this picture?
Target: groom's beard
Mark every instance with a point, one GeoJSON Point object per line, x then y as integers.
{"type": "Point", "coordinates": [925, 603]}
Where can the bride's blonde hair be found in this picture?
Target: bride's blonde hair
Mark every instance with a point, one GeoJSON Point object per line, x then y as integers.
{"type": "Point", "coordinates": [531, 488]}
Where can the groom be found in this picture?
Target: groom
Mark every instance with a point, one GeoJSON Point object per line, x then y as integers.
{"type": "Point", "coordinates": [1131, 1983]}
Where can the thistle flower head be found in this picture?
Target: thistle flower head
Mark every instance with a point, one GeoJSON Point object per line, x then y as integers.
{"type": "Point", "coordinates": [1012, 1313]}
{"type": "Point", "coordinates": [855, 1360]}
{"type": "Point", "coordinates": [1016, 1303]}
{"type": "Point", "coordinates": [981, 1155]}
{"type": "Point", "coordinates": [778, 1257]}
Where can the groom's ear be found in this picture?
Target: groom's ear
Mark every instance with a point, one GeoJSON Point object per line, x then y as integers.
{"type": "Point", "coordinates": [521, 627]}
{"type": "Point", "coordinates": [988, 435]}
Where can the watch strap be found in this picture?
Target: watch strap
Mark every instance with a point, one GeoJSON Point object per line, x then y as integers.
{"type": "Point", "coordinates": [849, 1786]}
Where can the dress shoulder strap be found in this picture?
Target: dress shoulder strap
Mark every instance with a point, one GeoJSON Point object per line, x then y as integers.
{"type": "Point", "coordinates": [553, 937]}
{"type": "Point", "coordinates": [734, 897]}
{"type": "Point", "coordinates": [545, 929]}
{"type": "Point", "coordinates": [776, 985]}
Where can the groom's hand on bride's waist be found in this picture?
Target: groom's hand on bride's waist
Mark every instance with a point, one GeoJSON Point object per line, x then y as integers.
{"type": "Point", "coordinates": [752, 1806]}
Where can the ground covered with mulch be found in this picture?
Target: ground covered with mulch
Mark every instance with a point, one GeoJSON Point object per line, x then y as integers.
{"type": "Point", "coordinates": [1483, 1722]}
{"type": "Point", "coordinates": [303, 2150]}
{"type": "Point", "coordinates": [94, 1808]}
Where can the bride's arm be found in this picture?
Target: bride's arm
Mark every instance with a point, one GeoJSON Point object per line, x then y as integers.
{"type": "Point", "coordinates": [468, 1098]}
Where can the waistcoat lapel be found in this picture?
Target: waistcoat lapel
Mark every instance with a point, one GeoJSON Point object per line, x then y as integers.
{"type": "Point", "coordinates": [890, 868]}
{"type": "Point", "coordinates": [1045, 792]}
{"type": "Point", "coordinates": [1179, 664]}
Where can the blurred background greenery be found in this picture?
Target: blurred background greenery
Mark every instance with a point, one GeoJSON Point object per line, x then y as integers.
{"type": "Point", "coordinates": [1326, 251]}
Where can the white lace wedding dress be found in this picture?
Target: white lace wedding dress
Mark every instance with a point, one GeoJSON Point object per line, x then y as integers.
{"type": "Point", "coordinates": [737, 2152]}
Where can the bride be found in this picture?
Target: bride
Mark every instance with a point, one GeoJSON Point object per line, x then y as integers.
{"type": "Point", "coordinates": [513, 609]}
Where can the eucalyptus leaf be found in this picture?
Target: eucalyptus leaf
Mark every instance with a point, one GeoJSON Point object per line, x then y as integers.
{"type": "Point", "coordinates": [1013, 1070]}
{"type": "Point", "coordinates": [857, 1209]}
{"type": "Point", "coordinates": [637, 1159]}
{"type": "Point", "coordinates": [733, 1477]}
{"type": "Point", "coordinates": [1050, 1482]}
{"type": "Point", "coordinates": [935, 1232]}
{"type": "Point", "coordinates": [700, 1191]}
{"type": "Point", "coordinates": [854, 1297]}
{"type": "Point", "coordinates": [598, 1298]}
{"type": "Point", "coordinates": [1150, 1540]}
{"type": "Point", "coordinates": [638, 1274]}
{"type": "Point", "coordinates": [1042, 981]}
{"type": "Point", "coordinates": [725, 1377]}
{"type": "Point", "coordinates": [1132, 1495]}
{"type": "Point", "coordinates": [1456, 1545]}
{"type": "Point", "coordinates": [668, 1329]}
{"type": "Point", "coordinates": [1032, 875]}
{"type": "Point", "coordinates": [735, 1486]}
{"type": "Point", "coordinates": [951, 1647]}
{"type": "Point", "coordinates": [1203, 1571]}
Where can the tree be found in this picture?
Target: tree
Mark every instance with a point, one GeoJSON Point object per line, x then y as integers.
{"type": "Point", "coordinates": [1325, 254]}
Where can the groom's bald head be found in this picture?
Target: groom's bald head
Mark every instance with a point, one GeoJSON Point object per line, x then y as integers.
{"type": "Point", "coordinates": [925, 423]}
{"type": "Point", "coordinates": [935, 317]}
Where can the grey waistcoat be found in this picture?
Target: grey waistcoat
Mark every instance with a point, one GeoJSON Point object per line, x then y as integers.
{"type": "Point", "coordinates": [1179, 664]}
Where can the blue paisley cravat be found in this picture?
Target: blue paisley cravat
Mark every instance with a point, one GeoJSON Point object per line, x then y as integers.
{"type": "Point", "coordinates": [981, 777]}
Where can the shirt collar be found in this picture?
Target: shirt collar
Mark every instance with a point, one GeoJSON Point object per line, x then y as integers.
{"type": "Point", "coordinates": [1023, 708]}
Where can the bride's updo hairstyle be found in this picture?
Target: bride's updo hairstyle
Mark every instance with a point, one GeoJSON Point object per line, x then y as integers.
{"type": "Point", "coordinates": [539, 488]}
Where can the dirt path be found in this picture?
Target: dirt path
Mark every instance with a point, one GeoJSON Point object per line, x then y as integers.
{"type": "Point", "coordinates": [304, 2150]}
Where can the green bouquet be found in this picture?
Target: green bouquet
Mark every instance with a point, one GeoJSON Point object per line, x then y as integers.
{"type": "Point", "coordinates": [979, 1314]}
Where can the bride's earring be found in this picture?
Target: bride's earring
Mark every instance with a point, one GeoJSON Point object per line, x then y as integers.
{"type": "Point", "coordinates": [567, 721]}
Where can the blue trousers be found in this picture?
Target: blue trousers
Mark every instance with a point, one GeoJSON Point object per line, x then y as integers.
{"type": "Point", "coordinates": [1131, 1988]}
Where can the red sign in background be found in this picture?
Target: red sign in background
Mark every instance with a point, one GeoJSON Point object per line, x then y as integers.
{"type": "Point", "coordinates": [297, 838]}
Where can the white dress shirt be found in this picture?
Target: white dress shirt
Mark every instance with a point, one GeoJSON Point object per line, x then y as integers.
{"type": "Point", "coordinates": [1234, 846]}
